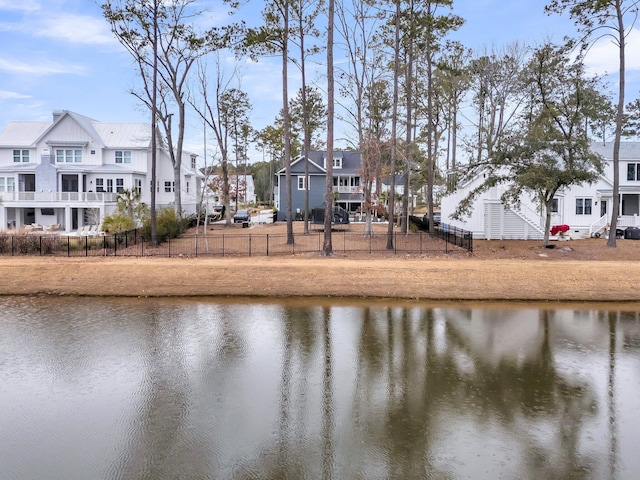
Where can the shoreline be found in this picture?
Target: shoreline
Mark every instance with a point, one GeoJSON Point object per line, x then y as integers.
{"type": "Point", "coordinates": [397, 278]}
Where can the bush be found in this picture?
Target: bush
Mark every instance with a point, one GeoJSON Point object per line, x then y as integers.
{"type": "Point", "coordinates": [5, 244]}
{"type": "Point", "coordinates": [118, 222]}
{"type": "Point", "coordinates": [27, 244]}
{"type": "Point", "coordinates": [168, 225]}
{"type": "Point", "coordinates": [50, 244]}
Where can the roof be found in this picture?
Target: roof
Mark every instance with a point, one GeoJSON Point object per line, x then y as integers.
{"type": "Point", "coordinates": [351, 162]}
{"type": "Point", "coordinates": [22, 134]}
{"type": "Point", "coordinates": [628, 150]}
{"type": "Point", "coordinates": [108, 135]}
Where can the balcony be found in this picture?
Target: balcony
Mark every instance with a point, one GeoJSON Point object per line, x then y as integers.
{"type": "Point", "coordinates": [345, 189]}
{"type": "Point", "coordinates": [83, 198]}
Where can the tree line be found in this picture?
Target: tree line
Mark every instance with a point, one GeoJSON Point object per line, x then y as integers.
{"type": "Point", "coordinates": [415, 103]}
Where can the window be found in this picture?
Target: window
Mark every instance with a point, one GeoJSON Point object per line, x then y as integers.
{"type": "Point", "coordinates": [554, 205]}
{"type": "Point", "coordinates": [99, 184]}
{"type": "Point", "coordinates": [123, 156]}
{"type": "Point", "coordinates": [138, 186]}
{"type": "Point", "coordinates": [168, 187]}
{"type": "Point", "coordinates": [337, 163]}
{"type": "Point", "coordinates": [193, 162]}
{"type": "Point", "coordinates": [7, 184]}
{"type": "Point", "coordinates": [187, 187]}
{"type": "Point", "coordinates": [302, 183]}
{"type": "Point", "coordinates": [583, 206]}
{"type": "Point", "coordinates": [110, 185]}
{"type": "Point", "coordinates": [68, 155]}
{"type": "Point", "coordinates": [119, 185]}
{"type": "Point", "coordinates": [21, 156]}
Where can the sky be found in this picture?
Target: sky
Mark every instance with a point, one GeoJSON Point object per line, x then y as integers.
{"type": "Point", "coordinates": [61, 55]}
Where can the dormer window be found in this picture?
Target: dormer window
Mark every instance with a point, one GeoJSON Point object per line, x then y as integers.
{"type": "Point", "coordinates": [337, 162]}
{"type": "Point", "coordinates": [193, 162]}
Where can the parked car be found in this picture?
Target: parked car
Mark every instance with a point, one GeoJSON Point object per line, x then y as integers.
{"type": "Point", "coordinates": [241, 216]}
{"type": "Point", "coordinates": [436, 218]}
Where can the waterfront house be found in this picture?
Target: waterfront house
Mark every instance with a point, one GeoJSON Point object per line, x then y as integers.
{"type": "Point", "coordinates": [68, 172]}
{"type": "Point", "coordinates": [586, 208]}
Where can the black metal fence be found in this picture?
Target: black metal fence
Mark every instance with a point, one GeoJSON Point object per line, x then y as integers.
{"type": "Point", "coordinates": [131, 243]}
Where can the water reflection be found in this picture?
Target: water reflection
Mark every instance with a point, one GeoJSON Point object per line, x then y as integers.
{"type": "Point", "coordinates": [133, 389]}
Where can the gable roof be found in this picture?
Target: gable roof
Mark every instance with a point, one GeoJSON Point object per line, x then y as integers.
{"type": "Point", "coordinates": [351, 163]}
{"type": "Point", "coordinates": [22, 134]}
{"type": "Point", "coordinates": [107, 135]}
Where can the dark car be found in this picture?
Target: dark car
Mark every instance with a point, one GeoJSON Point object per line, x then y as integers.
{"type": "Point", "coordinates": [436, 218]}
{"type": "Point", "coordinates": [241, 216]}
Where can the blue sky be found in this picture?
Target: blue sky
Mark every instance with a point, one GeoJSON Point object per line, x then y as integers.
{"type": "Point", "coordinates": [60, 54]}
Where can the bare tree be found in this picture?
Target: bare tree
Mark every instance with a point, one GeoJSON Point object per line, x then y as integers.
{"type": "Point", "coordinates": [164, 49]}
{"type": "Point", "coordinates": [361, 85]}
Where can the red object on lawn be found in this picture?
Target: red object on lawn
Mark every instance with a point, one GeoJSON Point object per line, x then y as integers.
{"type": "Point", "coordinates": [559, 229]}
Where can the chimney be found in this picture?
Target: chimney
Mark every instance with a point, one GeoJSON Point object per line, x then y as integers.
{"type": "Point", "coordinates": [57, 114]}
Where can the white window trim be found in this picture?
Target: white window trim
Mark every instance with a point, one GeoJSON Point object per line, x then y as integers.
{"type": "Point", "coordinates": [302, 182]}
{"type": "Point", "coordinates": [123, 155]}
{"type": "Point", "coordinates": [337, 163]}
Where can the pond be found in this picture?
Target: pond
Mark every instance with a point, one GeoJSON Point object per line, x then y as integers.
{"type": "Point", "coordinates": [94, 388]}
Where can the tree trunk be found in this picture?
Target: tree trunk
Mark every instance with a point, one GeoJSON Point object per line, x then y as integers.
{"type": "Point", "coordinates": [327, 245]}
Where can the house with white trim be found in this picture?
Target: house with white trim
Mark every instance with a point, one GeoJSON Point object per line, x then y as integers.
{"type": "Point", "coordinates": [585, 208]}
{"type": "Point", "coordinates": [68, 172]}
{"type": "Point", "coordinates": [346, 183]}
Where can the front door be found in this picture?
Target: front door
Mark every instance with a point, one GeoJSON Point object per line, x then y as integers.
{"type": "Point", "coordinates": [603, 207]}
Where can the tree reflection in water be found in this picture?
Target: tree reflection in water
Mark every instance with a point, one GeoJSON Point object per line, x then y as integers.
{"type": "Point", "coordinates": [311, 391]}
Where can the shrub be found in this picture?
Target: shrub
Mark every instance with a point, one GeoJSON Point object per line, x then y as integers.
{"type": "Point", "coordinates": [27, 244]}
{"type": "Point", "coordinates": [168, 225]}
{"type": "Point", "coordinates": [5, 243]}
{"type": "Point", "coordinates": [118, 222]}
{"type": "Point", "coordinates": [50, 244]}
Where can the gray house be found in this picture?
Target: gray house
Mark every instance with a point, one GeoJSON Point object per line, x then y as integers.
{"type": "Point", "coordinates": [346, 183]}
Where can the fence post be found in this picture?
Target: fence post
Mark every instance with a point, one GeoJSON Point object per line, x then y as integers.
{"type": "Point", "coordinates": [267, 244]}
{"type": "Point", "coordinates": [86, 246]}
{"type": "Point", "coordinates": [249, 244]}
{"type": "Point", "coordinates": [169, 246]}
{"type": "Point", "coordinates": [68, 246]}
{"type": "Point", "coordinates": [40, 245]}
{"type": "Point", "coordinates": [223, 244]}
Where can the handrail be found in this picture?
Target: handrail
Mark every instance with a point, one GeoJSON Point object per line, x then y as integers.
{"type": "Point", "coordinates": [53, 197]}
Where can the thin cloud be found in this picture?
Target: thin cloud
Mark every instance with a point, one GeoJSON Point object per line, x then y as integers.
{"type": "Point", "coordinates": [5, 95]}
{"type": "Point", "coordinates": [79, 29]}
{"type": "Point", "coordinates": [21, 6]}
{"type": "Point", "coordinates": [39, 68]}
{"type": "Point", "coordinates": [603, 55]}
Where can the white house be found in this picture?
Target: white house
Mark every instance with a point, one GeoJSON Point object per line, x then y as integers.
{"type": "Point", "coordinates": [68, 172]}
{"type": "Point", "coordinates": [585, 208]}
{"type": "Point", "coordinates": [243, 184]}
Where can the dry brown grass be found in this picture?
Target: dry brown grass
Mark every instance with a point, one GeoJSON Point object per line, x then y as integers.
{"type": "Point", "coordinates": [577, 270]}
